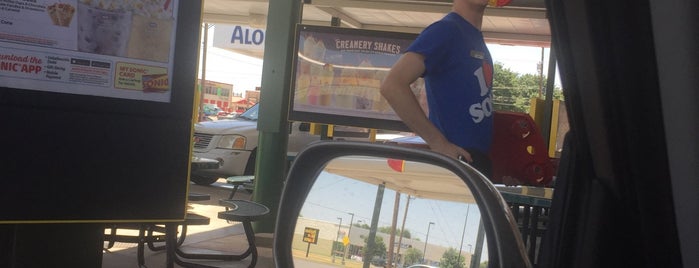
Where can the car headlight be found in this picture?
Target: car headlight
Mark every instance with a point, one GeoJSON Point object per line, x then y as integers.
{"type": "Point", "coordinates": [231, 142]}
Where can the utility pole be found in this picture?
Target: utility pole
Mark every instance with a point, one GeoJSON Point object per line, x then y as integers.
{"type": "Point", "coordinates": [461, 245]}
{"type": "Point", "coordinates": [332, 250]}
{"type": "Point", "coordinates": [402, 227]}
{"type": "Point", "coordinates": [349, 231]}
{"type": "Point", "coordinates": [424, 250]}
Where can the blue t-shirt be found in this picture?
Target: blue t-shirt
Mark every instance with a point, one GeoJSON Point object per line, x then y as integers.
{"type": "Point", "coordinates": [458, 81]}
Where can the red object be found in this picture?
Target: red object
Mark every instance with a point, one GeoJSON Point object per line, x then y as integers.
{"type": "Point", "coordinates": [498, 3]}
{"type": "Point", "coordinates": [519, 150]}
{"type": "Point", "coordinates": [396, 164]}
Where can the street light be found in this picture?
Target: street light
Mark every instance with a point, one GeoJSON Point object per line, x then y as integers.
{"type": "Point", "coordinates": [344, 256]}
{"type": "Point", "coordinates": [332, 250]}
{"type": "Point", "coordinates": [424, 250]}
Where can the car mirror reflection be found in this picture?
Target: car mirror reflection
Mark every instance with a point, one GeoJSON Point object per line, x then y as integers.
{"type": "Point", "coordinates": [345, 203]}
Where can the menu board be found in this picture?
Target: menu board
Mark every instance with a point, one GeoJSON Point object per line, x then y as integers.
{"type": "Point", "coordinates": [97, 98]}
{"type": "Point", "coordinates": [111, 48]}
{"type": "Point", "coordinates": [338, 75]}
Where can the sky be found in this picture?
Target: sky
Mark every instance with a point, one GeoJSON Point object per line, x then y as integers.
{"type": "Point", "coordinates": [245, 72]}
{"type": "Point", "coordinates": [334, 196]}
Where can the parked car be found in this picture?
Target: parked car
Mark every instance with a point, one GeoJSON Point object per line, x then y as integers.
{"type": "Point", "coordinates": [234, 143]}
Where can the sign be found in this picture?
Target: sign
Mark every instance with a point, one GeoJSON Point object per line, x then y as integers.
{"type": "Point", "coordinates": [310, 235]}
{"type": "Point", "coordinates": [345, 240]}
{"type": "Point", "coordinates": [124, 49]}
{"type": "Point", "coordinates": [109, 79]}
{"type": "Point", "coordinates": [239, 37]}
{"type": "Point", "coordinates": [338, 76]}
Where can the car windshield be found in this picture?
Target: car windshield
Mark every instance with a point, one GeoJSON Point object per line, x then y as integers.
{"type": "Point", "coordinates": [250, 114]}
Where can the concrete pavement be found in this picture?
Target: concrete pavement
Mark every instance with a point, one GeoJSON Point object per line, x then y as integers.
{"type": "Point", "coordinates": [217, 237]}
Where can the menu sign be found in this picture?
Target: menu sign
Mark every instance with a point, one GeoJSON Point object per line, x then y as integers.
{"type": "Point", "coordinates": [339, 72]}
{"type": "Point", "coordinates": [112, 48]}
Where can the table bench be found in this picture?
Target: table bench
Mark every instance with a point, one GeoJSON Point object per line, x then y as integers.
{"type": "Point", "coordinates": [237, 182]}
{"type": "Point", "coordinates": [150, 233]}
{"type": "Point", "coordinates": [245, 212]}
{"type": "Point", "coordinates": [238, 210]}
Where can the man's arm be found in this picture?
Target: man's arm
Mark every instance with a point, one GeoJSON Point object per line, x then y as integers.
{"type": "Point", "coordinates": [396, 90]}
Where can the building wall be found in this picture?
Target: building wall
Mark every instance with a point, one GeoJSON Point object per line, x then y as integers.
{"type": "Point", "coordinates": [328, 231]}
{"type": "Point", "coordinates": [220, 94]}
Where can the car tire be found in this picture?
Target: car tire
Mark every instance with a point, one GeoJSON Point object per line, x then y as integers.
{"type": "Point", "coordinates": [202, 180]}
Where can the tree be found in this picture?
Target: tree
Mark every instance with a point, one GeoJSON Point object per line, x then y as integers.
{"type": "Point", "coordinates": [387, 230]}
{"type": "Point", "coordinates": [451, 259]}
{"type": "Point", "coordinates": [362, 225]}
{"type": "Point", "coordinates": [379, 248]}
{"type": "Point", "coordinates": [412, 256]}
{"type": "Point", "coordinates": [513, 91]}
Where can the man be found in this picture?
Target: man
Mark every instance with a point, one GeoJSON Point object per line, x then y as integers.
{"type": "Point", "coordinates": [452, 57]}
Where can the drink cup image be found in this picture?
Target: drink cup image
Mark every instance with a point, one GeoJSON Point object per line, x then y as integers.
{"type": "Point", "coordinates": [103, 32]}
{"type": "Point", "coordinates": [150, 38]}
{"type": "Point", "coordinates": [326, 97]}
{"type": "Point", "coordinates": [313, 94]}
{"type": "Point", "coordinates": [344, 98]}
{"type": "Point", "coordinates": [61, 14]}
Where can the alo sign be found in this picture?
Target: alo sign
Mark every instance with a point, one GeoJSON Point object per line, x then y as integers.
{"type": "Point", "coordinates": [239, 37]}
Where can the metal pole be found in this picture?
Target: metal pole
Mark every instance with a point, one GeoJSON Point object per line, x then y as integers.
{"type": "Point", "coordinates": [392, 238]}
{"type": "Point", "coordinates": [548, 108]}
{"type": "Point", "coordinates": [270, 167]}
{"type": "Point", "coordinates": [371, 239]}
{"type": "Point", "coordinates": [468, 207]}
{"type": "Point", "coordinates": [424, 250]}
{"type": "Point", "coordinates": [541, 74]}
{"type": "Point", "coordinates": [476, 255]}
{"type": "Point", "coordinates": [402, 227]}
{"type": "Point", "coordinates": [202, 82]}
{"type": "Point", "coordinates": [344, 256]}
{"type": "Point", "coordinates": [332, 249]}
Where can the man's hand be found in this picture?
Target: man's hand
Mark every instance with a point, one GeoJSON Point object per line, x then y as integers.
{"type": "Point", "coordinates": [452, 150]}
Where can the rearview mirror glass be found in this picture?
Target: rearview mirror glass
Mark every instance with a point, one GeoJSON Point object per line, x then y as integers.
{"type": "Point", "coordinates": [357, 200]}
{"type": "Point", "coordinates": [347, 202]}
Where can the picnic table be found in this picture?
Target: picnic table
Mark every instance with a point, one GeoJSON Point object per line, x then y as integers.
{"type": "Point", "coordinates": [150, 233]}
{"type": "Point", "coordinates": [530, 207]}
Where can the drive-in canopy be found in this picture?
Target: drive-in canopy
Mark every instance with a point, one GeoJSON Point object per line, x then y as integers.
{"type": "Point", "coordinates": [413, 178]}
{"type": "Point", "coordinates": [522, 22]}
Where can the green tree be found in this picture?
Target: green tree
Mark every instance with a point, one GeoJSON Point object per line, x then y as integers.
{"type": "Point", "coordinates": [378, 249]}
{"type": "Point", "coordinates": [451, 259]}
{"type": "Point", "coordinates": [387, 230]}
{"type": "Point", "coordinates": [411, 256]}
{"type": "Point", "coordinates": [513, 91]}
{"type": "Point", "coordinates": [503, 87]}
{"type": "Point", "coordinates": [362, 225]}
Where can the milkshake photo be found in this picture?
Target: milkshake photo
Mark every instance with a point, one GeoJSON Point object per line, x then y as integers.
{"type": "Point", "coordinates": [103, 31]}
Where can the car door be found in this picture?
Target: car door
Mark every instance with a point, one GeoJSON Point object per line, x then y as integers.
{"type": "Point", "coordinates": [626, 189]}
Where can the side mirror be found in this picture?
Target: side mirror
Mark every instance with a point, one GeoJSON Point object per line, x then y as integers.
{"type": "Point", "coordinates": [346, 202]}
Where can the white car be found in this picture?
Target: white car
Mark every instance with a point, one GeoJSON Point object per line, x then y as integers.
{"type": "Point", "coordinates": [234, 144]}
